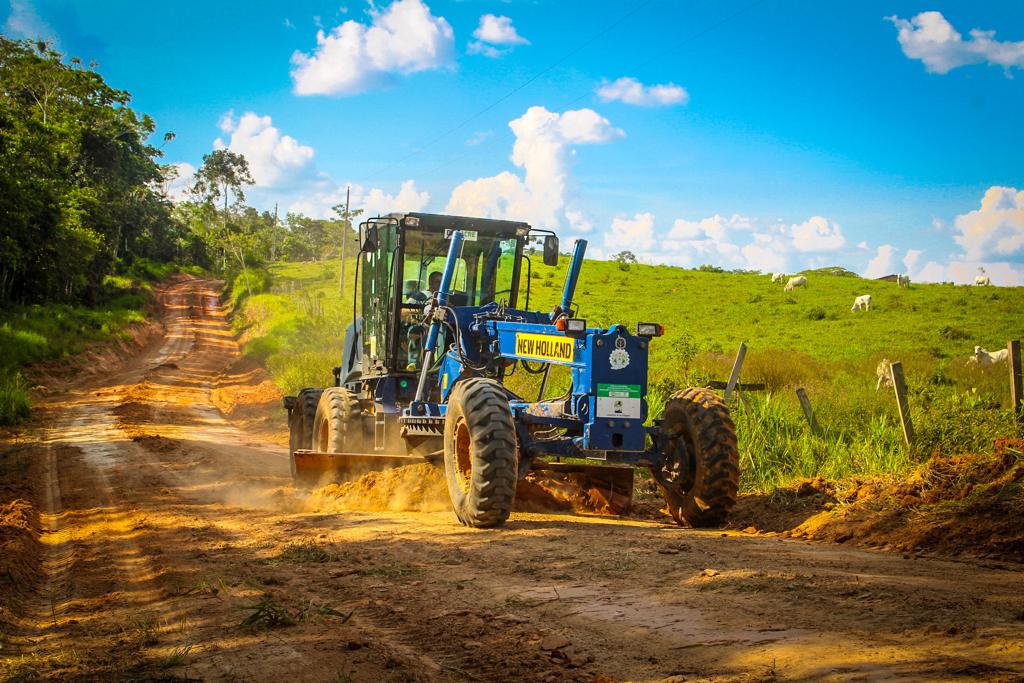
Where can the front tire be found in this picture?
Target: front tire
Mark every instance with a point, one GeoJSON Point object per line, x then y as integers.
{"type": "Point", "coordinates": [336, 426]}
{"type": "Point", "coordinates": [480, 457]}
{"type": "Point", "coordinates": [300, 424]}
{"type": "Point", "coordinates": [699, 474]}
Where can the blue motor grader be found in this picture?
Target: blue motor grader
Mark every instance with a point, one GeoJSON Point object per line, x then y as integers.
{"type": "Point", "coordinates": [441, 321]}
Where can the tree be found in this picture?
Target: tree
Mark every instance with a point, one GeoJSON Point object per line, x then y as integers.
{"type": "Point", "coordinates": [625, 259]}
{"type": "Point", "coordinates": [223, 172]}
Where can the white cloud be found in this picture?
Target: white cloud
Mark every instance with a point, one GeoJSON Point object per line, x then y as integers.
{"type": "Point", "coordinates": [1001, 273]}
{"type": "Point", "coordinates": [373, 202]}
{"type": "Point", "coordinates": [632, 91]}
{"type": "Point", "coordinates": [996, 229]}
{"type": "Point", "coordinates": [817, 234]}
{"type": "Point", "coordinates": [495, 36]}
{"type": "Point", "coordinates": [177, 188]}
{"type": "Point", "coordinates": [479, 137]}
{"type": "Point", "coordinates": [734, 242]}
{"type": "Point", "coordinates": [543, 148]}
{"type": "Point", "coordinates": [883, 262]}
{"type": "Point", "coordinates": [404, 38]}
{"type": "Point", "coordinates": [631, 234]}
{"type": "Point", "coordinates": [911, 258]}
{"type": "Point", "coordinates": [274, 159]}
{"type": "Point", "coordinates": [933, 40]}
{"type": "Point", "coordinates": [579, 222]}
{"type": "Point", "coordinates": [25, 22]}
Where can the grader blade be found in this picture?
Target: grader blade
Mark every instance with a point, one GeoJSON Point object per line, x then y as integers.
{"type": "Point", "coordinates": [603, 489]}
{"type": "Point", "coordinates": [313, 468]}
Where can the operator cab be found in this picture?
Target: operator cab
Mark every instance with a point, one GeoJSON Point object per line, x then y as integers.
{"type": "Point", "coordinates": [400, 266]}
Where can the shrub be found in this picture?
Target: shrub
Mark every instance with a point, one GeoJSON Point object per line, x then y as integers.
{"type": "Point", "coordinates": [14, 406]}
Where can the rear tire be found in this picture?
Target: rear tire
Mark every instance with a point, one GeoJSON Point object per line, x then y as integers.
{"type": "Point", "coordinates": [336, 426]}
{"type": "Point", "coordinates": [300, 424]}
{"type": "Point", "coordinates": [700, 474]}
{"type": "Point", "coordinates": [480, 456]}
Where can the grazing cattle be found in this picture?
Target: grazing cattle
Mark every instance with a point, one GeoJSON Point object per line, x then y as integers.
{"type": "Point", "coordinates": [778, 277]}
{"type": "Point", "coordinates": [794, 282]}
{"type": "Point", "coordinates": [983, 357]}
{"type": "Point", "coordinates": [902, 281]}
{"type": "Point", "coordinates": [862, 303]}
{"type": "Point", "coordinates": [884, 372]}
{"type": "Point", "coordinates": [982, 280]}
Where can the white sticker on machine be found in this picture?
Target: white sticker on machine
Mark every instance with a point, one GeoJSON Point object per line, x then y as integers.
{"type": "Point", "coordinates": [618, 407]}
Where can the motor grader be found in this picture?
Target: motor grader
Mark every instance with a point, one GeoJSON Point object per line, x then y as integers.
{"type": "Point", "coordinates": [441, 321]}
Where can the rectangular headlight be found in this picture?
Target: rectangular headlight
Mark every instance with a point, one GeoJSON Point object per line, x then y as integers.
{"type": "Point", "coordinates": [575, 325]}
{"type": "Point", "coordinates": [650, 330]}
{"type": "Point", "coordinates": [412, 221]}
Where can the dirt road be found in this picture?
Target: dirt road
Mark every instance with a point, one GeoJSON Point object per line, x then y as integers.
{"type": "Point", "coordinates": [165, 526]}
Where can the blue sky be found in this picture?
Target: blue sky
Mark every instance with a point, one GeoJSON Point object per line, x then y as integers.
{"type": "Point", "coordinates": [864, 134]}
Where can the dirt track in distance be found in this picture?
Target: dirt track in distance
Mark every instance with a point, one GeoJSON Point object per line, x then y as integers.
{"type": "Point", "coordinates": [165, 526]}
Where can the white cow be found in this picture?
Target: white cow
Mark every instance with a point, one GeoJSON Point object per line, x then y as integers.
{"type": "Point", "coordinates": [983, 357]}
{"type": "Point", "coordinates": [794, 282]}
{"type": "Point", "coordinates": [862, 303]}
{"type": "Point", "coordinates": [778, 277]}
{"type": "Point", "coordinates": [982, 280]}
{"type": "Point", "coordinates": [902, 281]}
{"type": "Point", "coordinates": [884, 372]}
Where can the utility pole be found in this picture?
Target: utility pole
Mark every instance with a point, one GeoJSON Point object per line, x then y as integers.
{"type": "Point", "coordinates": [273, 237]}
{"type": "Point", "coordinates": [344, 241]}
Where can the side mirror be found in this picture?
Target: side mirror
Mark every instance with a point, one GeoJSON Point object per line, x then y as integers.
{"type": "Point", "coordinates": [370, 239]}
{"type": "Point", "coordinates": [550, 250]}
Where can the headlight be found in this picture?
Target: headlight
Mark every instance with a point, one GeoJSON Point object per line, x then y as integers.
{"type": "Point", "coordinates": [650, 330]}
{"type": "Point", "coordinates": [575, 325]}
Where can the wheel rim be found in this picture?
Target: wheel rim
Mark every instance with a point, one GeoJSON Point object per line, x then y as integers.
{"type": "Point", "coordinates": [681, 469]}
{"type": "Point", "coordinates": [462, 447]}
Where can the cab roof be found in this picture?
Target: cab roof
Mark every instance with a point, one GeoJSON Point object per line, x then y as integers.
{"type": "Point", "coordinates": [436, 222]}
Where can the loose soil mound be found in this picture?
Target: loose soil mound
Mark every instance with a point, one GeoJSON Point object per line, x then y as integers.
{"type": "Point", "coordinates": [971, 505]}
{"type": "Point", "coordinates": [419, 488]}
{"type": "Point", "coordinates": [21, 551]}
{"type": "Point", "coordinates": [245, 394]}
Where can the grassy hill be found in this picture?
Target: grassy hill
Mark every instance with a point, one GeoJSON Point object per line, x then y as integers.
{"type": "Point", "coordinates": [806, 338]}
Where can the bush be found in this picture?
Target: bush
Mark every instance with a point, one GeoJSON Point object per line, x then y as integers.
{"type": "Point", "coordinates": [14, 405]}
{"type": "Point", "coordinates": [249, 282]}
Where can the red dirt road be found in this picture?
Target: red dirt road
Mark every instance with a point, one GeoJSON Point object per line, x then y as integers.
{"type": "Point", "coordinates": [164, 526]}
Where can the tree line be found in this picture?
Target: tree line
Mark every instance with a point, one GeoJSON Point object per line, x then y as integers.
{"type": "Point", "coordinates": [82, 190]}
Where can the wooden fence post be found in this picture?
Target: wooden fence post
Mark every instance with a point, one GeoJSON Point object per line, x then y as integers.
{"type": "Point", "coordinates": [900, 386]}
{"type": "Point", "coordinates": [805, 403]}
{"type": "Point", "coordinates": [1015, 379]}
{"type": "Point", "coordinates": [735, 376]}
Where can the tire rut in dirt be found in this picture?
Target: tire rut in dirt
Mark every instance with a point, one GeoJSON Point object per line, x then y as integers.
{"type": "Point", "coordinates": [704, 489]}
{"type": "Point", "coordinates": [480, 453]}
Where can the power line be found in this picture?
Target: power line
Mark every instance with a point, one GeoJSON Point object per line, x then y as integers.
{"type": "Point", "coordinates": [636, 67]}
{"type": "Point", "coordinates": [519, 87]}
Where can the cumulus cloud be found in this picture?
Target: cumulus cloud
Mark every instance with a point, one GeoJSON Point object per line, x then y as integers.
{"type": "Point", "coordinates": [911, 258]}
{"type": "Point", "coordinates": [817, 234]}
{"type": "Point", "coordinates": [373, 201]}
{"type": "Point", "coordinates": [543, 147]}
{"type": "Point", "coordinates": [631, 234]}
{"type": "Point", "coordinates": [996, 229]}
{"type": "Point", "coordinates": [933, 40]}
{"type": "Point", "coordinates": [632, 91]}
{"type": "Point", "coordinates": [176, 187]}
{"type": "Point", "coordinates": [274, 159]}
{"type": "Point", "coordinates": [405, 38]}
{"type": "Point", "coordinates": [495, 36]}
{"type": "Point", "coordinates": [735, 242]}
{"type": "Point", "coordinates": [883, 262]}
{"type": "Point", "coordinates": [25, 22]}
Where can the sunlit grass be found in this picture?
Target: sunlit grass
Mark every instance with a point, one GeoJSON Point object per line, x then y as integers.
{"type": "Point", "coordinates": [808, 338]}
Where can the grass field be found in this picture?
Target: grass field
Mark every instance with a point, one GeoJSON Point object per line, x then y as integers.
{"type": "Point", "coordinates": [806, 338]}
